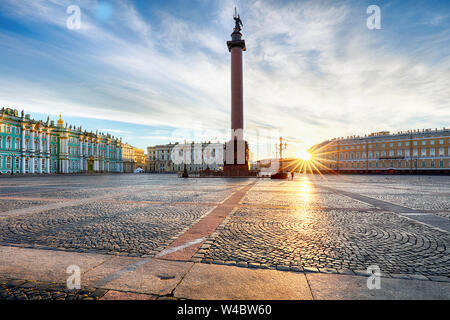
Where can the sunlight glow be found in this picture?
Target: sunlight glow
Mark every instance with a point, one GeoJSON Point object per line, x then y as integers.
{"type": "Point", "coordinates": [304, 155]}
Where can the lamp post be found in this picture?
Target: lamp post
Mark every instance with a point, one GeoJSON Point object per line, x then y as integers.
{"type": "Point", "coordinates": [279, 148]}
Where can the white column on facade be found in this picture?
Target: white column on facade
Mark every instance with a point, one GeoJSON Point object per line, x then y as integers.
{"type": "Point", "coordinates": [31, 160]}
{"type": "Point", "coordinates": [107, 156]}
{"type": "Point", "coordinates": [81, 155]}
{"type": "Point", "coordinates": [98, 157]}
{"type": "Point", "coordinates": [94, 155]}
{"type": "Point", "coordinates": [22, 133]}
{"type": "Point", "coordinates": [47, 150]}
{"type": "Point", "coordinates": [61, 154]}
{"type": "Point", "coordinates": [39, 155]}
{"type": "Point", "coordinates": [66, 143]}
{"type": "Point", "coordinates": [47, 142]}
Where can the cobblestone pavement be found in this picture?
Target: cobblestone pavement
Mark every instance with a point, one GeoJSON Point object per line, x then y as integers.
{"type": "Point", "coordinates": [34, 290]}
{"type": "Point", "coordinates": [317, 230]}
{"type": "Point", "coordinates": [309, 224]}
{"type": "Point", "coordinates": [140, 222]}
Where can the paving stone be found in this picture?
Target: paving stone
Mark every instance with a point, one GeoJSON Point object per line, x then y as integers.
{"type": "Point", "coordinates": [418, 277]}
{"type": "Point", "coordinates": [399, 276]}
{"type": "Point", "coordinates": [439, 278]}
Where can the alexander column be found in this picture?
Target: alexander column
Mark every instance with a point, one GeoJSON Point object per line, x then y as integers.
{"type": "Point", "coordinates": [236, 163]}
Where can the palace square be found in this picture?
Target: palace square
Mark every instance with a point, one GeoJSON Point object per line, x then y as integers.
{"type": "Point", "coordinates": [158, 227]}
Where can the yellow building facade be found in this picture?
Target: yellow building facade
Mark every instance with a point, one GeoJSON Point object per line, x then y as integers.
{"type": "Point", "coordinates": [133, 158]}
{"type": "Point", "coordinates": [413, 151]}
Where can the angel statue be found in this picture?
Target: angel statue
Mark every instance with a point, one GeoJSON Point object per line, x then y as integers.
{"type": "Point", "coordinates": [238, 21]}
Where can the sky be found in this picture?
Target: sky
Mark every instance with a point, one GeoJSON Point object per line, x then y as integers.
{"type": "Point", "coordinates": [154, 72]}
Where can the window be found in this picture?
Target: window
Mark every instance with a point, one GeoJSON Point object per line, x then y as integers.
{"type": "Point", "coordinates": [1, 162]}
{"type": "Point", "coordinates": [8, 143]}
{"type": "Point", "coordinates": [432, 142]}
{"type": "Point", "coordinates": [424, 164]}
{"type": "Point", "coordinates": [1, 142]}
{"type": "Point", "coordinates": [415, 143]}
{"type": "Point", "coordinates": [432, 164]}
{"type": "Point", "coordinates": [399, 144]}
{"type": "Point", "coordinates": [424, 142]}
{"type": "Point", "coordinates": [441, 164]}
{"type": "Point", "coordinates": [441, 141]}
{"type": "Point", "coordinates": [432, 152]}
{"type": "Point", "coordinates": [17, 131]}
{"type": "Point", "coordinates": [391, 144]}
{"type": "Point", "coordinates": [8, 129]}
{"type": "Point", "coordinates": [441, 152]}
{"type": "Point", "coordinates": [415, 152]}
{"type": "Point", "coordinates": [407, 143]}
{"type": "Point", "coordinates": [407, 154]}
{"type": "Point", "coordinates": [8, 163]}
{"type": "Point", "coordinates": [17, 164]}
{"type": "Point", "coordinates": [399, 152]}
{"type": "Point", "coordinates": [391, 153]}
{"type": "Point", "coordinates": [423, 152]}
{"type": "Point", "coordinates": [17, 143]}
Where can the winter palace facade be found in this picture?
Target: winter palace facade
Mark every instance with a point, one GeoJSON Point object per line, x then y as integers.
{"type": "Point", "coordinates": [38, 147]}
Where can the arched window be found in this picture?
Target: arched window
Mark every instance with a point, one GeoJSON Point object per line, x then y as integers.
{"type": "Point", "coordinates": [8, 143]}
{"type": "Point", "coordinates": [17, 164]}
{"type": "Point", "coordinates": [17, 143]}
{"type": "Point", "coordinates": [1, 162]}
{"type": "Point", "coordinates": [8, 163]}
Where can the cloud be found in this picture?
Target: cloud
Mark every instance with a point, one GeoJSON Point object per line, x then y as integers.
{"type": "Point", "coordinates": [312, 69]}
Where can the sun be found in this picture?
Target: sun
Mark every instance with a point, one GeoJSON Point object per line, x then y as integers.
{"type": "Point", "coordinates": [304, 155]}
